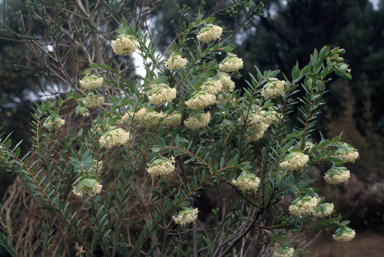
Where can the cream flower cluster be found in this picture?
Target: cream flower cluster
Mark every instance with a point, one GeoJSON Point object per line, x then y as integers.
{"type": "Point", "coordinates": [209, 33]}
{"type": "Point", "coordinates": [257, 131]}
{"type": "Point", "coordinates": [173, 120]}
{"type": "Point", "coordinates": [148, 118]}
{"type": "Point", "coordinates": [161, 94]}
{"type": "Point", "coordinates": [269, 116]}
{"type": "Point", "coordinates": [273, 89]}
{"type": "Point", "coordinates": [125, 117]}
{"type": "Point", "coordinates": [198, 121]}
{"type": "Point", "coordinates": [256, 126]}
{"type": "Point", "coordinates": [350, 157]}
{"type": "Point", "coordinates": [54, 124]}
{"type": "Point", "coordinates": [91, 82]}
{"type": "Point", "coordinates": [200, 100]}
{"type": "Point", "coordinates": [284, 252]}
{"type": "Point", "coordinates": [124, 45]}
{"type": "Point", "coordinates": [304, 205]}
{"type": "Point", "coordinates": [324, 210]}
{"type": "Point", "coordinates": [161, 167]}
{"type": "Point", "coordinates": [246, 181]}
{"type": "Point", "coordinates": [294, 161]}
{"type": "Point", "coordinates": [93, 101]}
{"type": "Point", "coordinates": [347, 152]}
{"type": "Point", "coordinates": [344, 235]}
{"type": "Point", "coordinates": [87, 187]}
{"type": "Point", "coordinates": [114, 137]}
{"type": "Point", "coordinates": [186, 216]}
{"type": "Point", "coordinates": [337, 175]}
{"type": "Point", "coordinates": [231, 64]}
{"type": "Point", "coordinates": [175, 62]}
{"type": "Point", "coordinates": [212, 86]}
{"type": "Point", "coordinates": [226, 81]}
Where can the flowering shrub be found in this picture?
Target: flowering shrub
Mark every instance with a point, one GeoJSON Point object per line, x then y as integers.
{"type": "Point", "coordinates": [170, 136]}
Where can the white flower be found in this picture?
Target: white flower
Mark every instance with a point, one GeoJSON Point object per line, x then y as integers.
{"type": "Point", "coordinates": [93, 101]}
{"type": "Point", "coordinates": [212, 86]}
{"type": "Point", "coordinates": [198, 121]}
{"type": "Point", "coordinates": [209, 33]}
{"type": "Point", "coordinates": [125, 117]}
{"type": "Point", "coordinates": [54, 122]}
{"type": "Point", "coordinates": [269, 116]}
{"type": "Point", "coordinates": [200, 100]}
{"type": "Point", "coordinates": [284, 252]}
{"type": "Point", "coordinates": [161, 94]}
{"type": "Point", "coordinates": [231, 63]}
{"type": "Point", "coordinates": [186, 216]}
{"type": "Point", "coordinates": [273, 89]}
{"type": "Point", "coordinates": [246, 181]}
{"type": "Point", "coordinates": [173, 120]}
{"type": "Point", "coordinates": [148, 118]}
{"type": "Point", "coordinates": [175, 62]}
{"type": "Point", "coordinates": [114, 137]}
{"type": "Point", "coordinates": [124, 45]}
{"type": "Point", "coordinates": [294, 161]}
{"type": "Point", "coordinates": [88, 187]}
{"type": "Point", "coordinates": [161, 167]}
{"type": "Point", "coordinates": [304, 205]}
{"type": "Point", "coordinates": [350, 157]}
{"type": "Point", "coordinates": [256, 126]}
{"type": "Point", "coordinates": [91, 82]}
{"type": "Point", "coordinates": [257, 131]}
{"type": "Point", "coordinates": [344, 235]}
{"type": "Point", "coordinates": [324, 210]}
{"type": "Point", "coordinates": [337, 175]}
{"type": "Point", "coordinates": [226, 81]}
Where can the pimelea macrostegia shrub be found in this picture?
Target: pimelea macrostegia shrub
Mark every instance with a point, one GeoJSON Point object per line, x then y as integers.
{"type": "Point", "coordinates": [174, 135]}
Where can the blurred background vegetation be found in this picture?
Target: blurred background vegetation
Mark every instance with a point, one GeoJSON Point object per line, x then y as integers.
{"type": "Point", "coordinates": [288, 32]}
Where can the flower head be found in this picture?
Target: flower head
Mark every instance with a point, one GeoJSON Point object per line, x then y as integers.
{"type": "Point", "coordinates": [91, 82]}
{"type": "Point", "coordinates": [231, 63]}
{"type": "Point", "coordinates": [198, 121]}
{"type": "Point", "coordinates": [125, 117]}
{"type": "Point", "coordinates": [246, 181]}
{"type": "Point", "coordinates": [256, 126]}
{"type": "Point", "coordinates": [304, 205]}
{"type": "Point", "coordinates": [172, 120]}
{"type": "Point", "coordinates": [200, 100]}
{"type": "Point", "coordinates": [294, 161]}
{"type": "Point", "coordinates": [161, 94]}
{"type": "Point", "coordinates": [324, 210]}
{"type": "Point", "coordinates": [88, 187]}
{"type": "Point", "coordinates": [175, 62]}
{"type": "Point", "coordinates": [284, 252]}
{"type": "Point", "coordinates": [269, 116]}
{"type": "Point", "coordinates": [209, 33]}
{"type": "Point", "coordinates": [93, 100]}
{"type": "Point", "coordinates": [124, 45]}
{"type": "Point", "coordinates": [273, 89]}
{"type": "Point", "coordinates": [212, 86]}
{"type": "Point", "coordinates": [54, 122]}
{"type": "Point", "coordinates": [226, 81]}
{"type": "Point", "coordinates": [337, 175]}
{"type": "Point", "coordinates": [186, 216]}
{"type": "Point", "coordinates": [148, 118]}
{"type": "Point", "coordinates": [347, 152]}
{"type": "Point", "coordinates": [344, 235]}
{"type": "Point", "coordinates": [114, 137]}
{"type": "Point", "coordinates": [161, 167]}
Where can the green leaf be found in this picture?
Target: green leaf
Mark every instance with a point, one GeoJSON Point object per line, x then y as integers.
{"type": "Point", "coordinates": [161, 141]}
{"type": "Point", "coordinates": [210, 19]}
